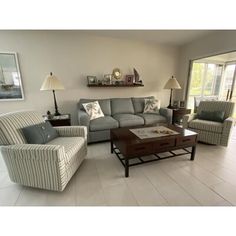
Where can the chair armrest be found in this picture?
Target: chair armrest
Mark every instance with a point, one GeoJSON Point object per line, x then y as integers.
{"type": "Point", "coordinates": [228, 124]}
{"type": "Point", "coordinates": [83, 118]}
{"type": "Point", "coordinates": [72, 131]}
{"type": "Point", "coordinates": [36, 152]}
{"type": "Point", "coordinates": [167, 113]}
{"type": "Point", "coordinates": [187, 118]}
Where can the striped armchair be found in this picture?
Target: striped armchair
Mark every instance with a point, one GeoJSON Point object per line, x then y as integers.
{"type": "Point", "coordinates": [210, 131]}
{"type": "Point", "coordinates": [46, 166]}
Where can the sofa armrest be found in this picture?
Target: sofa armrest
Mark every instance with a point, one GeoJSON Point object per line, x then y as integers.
{"type": "Point", "coordinates": [187, 118]}
{"type": "Point", "coordinates": [167, 113]}
{"type": "Point", "coordinates": [72, 131]}
{"type": "Point", "coordinates": [83, 118]}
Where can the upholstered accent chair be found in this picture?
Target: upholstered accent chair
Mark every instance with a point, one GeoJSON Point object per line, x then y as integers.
{"type": "Point", "coordinates": [211, 132]}
{"type": "Point", "coordinates": [46, 166]}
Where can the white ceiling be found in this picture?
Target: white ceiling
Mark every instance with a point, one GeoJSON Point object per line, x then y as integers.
{"type": "Point", "coordinates": [171, 37]}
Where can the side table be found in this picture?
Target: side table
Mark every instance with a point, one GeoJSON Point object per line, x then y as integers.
{"type": "Point", "coordinates": [62, 120]}
{"type": "Point", "coordinates": [178, 114]}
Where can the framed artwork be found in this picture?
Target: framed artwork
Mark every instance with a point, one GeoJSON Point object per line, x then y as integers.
{"type": "Point", "coordinates": [129, 79]}
{"type": "Point", "coordinates": [10, 78]}
{"type": "Point", "coordinates": [107, 79]}
{"type": "Point", "coordinates": [176, 104]}
{"type": "Point", "coordinates": [182, 104]}
{"type": "Point", "coordinates": [92, 79]}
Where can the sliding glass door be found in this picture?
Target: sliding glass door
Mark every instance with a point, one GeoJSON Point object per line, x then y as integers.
{"type": "Point", "coordinates": [210, 81]}
{"type": "Point", "coordinates": [205, 81]}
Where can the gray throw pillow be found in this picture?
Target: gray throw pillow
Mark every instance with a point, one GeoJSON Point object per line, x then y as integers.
{"type": "Point", "coordinates": [212, 115]}
{"type": "Point", "coordinates": [40, 133]}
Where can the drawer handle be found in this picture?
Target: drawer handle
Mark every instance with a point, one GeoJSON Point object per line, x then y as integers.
{"type": "Point", "coordinates": [186, 140]}
{"type": "Point", "coordinates": [164, 144]}
{"type": "Point", "coordinates": [140, 148]}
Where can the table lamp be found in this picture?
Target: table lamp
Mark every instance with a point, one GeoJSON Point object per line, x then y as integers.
{"type": "Point", "coordinates": [171, 84]}
{"type": "Point", "coordinates": [52, 83]}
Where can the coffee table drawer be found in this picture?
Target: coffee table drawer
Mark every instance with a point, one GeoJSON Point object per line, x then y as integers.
{"type": "Point", "coordinates": [140, 149]}
{"type": "Point", "coordinates": [185, 140]}
{"type": "Point", "coordinates": [164, 144]}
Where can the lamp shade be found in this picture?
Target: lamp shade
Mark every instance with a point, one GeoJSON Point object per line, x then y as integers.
{"type": "Point", "coordinates": [51, 82]}
{"type": "Point", "coordinates": [172, 83]}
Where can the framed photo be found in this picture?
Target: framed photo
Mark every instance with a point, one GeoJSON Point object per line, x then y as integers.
{"type": "Point", "coordinates": [10, 79]}
{"type": "Point", "coordinates": [107, 79]}
{"type": "Point", "coordinates": [129, 79]}
{"type": "Point", "coordinates": [182, 104]}
{"type": "Point", "coordinates": [92, 79]}
{"type": "Point", "coordinates": [176, 104]}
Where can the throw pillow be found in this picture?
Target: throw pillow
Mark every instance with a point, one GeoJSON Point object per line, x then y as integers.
{"type": "Point", "coordinates": [212, 115]}
{"type": "Point", "coordinates": [152, 105]}
{"type": "Point", "coordinates": [93, 109]}
{"type": "Point", "coordinates": [40, 133]}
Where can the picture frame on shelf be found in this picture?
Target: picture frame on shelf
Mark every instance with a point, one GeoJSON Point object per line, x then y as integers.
{"type": "Point", "coordinates": [176, 104]}
{"type": "Point", "coordinates": [92, 80]}
{"type": "Point", "coordinates": [182, 104]}
{"type": "Point", "coordinates": [107, 79]}
{"type": "Point", "coordinates": [129, 79]}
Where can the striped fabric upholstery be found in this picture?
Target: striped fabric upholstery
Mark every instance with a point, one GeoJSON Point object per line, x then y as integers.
{"type": "Point", "coordinates": [210, 131]}
{"type": "Point", "coordinates": [206, 125]}
{"type": "Point", "coordinates": [48, 166]}
{"type": "Point", "coordinates": [72, 131]}
{"type": "Point", "coordinates": [12, 123]}
{"type": "Point", "coordinates": [227, 107]}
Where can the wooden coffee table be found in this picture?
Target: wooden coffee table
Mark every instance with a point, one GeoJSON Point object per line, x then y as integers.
{"type": "Point", "coordinates": [126, 145]}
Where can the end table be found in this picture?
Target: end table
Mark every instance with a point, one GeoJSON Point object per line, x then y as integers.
{"type": "Point", "coordinates": [178, 114]}
{"type": "Point", "coordinates": [62, 120]}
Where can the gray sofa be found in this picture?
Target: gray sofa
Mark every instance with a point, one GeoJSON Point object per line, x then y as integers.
{"type": "Point", "coordinates": [119, 112]}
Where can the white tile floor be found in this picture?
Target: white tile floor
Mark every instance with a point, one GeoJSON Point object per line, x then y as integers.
{"type": "Point", "coordinates": [210, 180]}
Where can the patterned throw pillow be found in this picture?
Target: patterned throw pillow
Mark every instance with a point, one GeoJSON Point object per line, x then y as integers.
{"type": "Point", "coordinates": [151, 106]}
{"type": "Point", "coordinates": [93, 109]}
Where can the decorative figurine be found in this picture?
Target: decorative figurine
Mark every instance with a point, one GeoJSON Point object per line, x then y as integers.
{"type": "Point", "coordinates": [136, 76]}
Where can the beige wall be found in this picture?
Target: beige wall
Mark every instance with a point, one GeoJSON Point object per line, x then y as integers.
{"type": "Point", "coordinates": [212, 44]}
{"type": "Point", "coordinates": [71, 55]}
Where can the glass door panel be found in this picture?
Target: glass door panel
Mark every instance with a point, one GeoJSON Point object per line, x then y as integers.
{"type": "Point", "coordinates": [227, 82]}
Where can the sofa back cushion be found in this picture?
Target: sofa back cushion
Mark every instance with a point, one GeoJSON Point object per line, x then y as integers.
{"type": "Point", "coordinates": [227, 107]}
{"type": "Point", "coordinates": [105, 105]}
{"type": "Point", "coordinates": [122, 106]}
{"type": "Point", "coordinates": [11, 125]}
{"type": "Point", "coordinates": [139, 103]}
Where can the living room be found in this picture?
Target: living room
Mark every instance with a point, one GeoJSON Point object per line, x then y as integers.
{"type": "Point", "coordinates": [60, 74]}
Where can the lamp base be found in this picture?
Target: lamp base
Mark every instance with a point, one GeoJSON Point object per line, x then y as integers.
{"type": "Point", "coordinates": [170, 107]}
{"type": "Point", "coordinates": [57, 114]}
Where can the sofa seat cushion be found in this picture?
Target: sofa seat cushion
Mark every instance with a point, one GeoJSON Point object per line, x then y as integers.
{"type": "Point", "coordinates": [72, 145]}
{"type": "Point", "coordinates": [103, 123]}
{"type": "Point", "coordinates": [150, 119]}
{"type": "Point", "coordinates": [206, 125]}
{"type": "Point", "coordinates": [128, 120]}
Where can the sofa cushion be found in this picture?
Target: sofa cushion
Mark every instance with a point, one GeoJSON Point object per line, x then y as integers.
{"type": "Point", "coordinates": [206, 125]}
{"type": "Point", "coordinates": [72, 145]}
{"type": "Point", "coordinates": [105, 105]}
{"type": "Point", "coordinates": [128, 120]}
{"type": "Point", "coordinates": [39, 133]}
{"type": "Point", "coordinates": [93, 109]}
{"type": "Point", "coordinates": [103, 123]}
{"type": "Point", "coordinates": [151, 106]}
{"type": "Point", "coordinates": [122, 106]}
{"type": "Point", "coordinates": [138, 103]}
{"type": "Point", "coordinates": [152, 118]}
